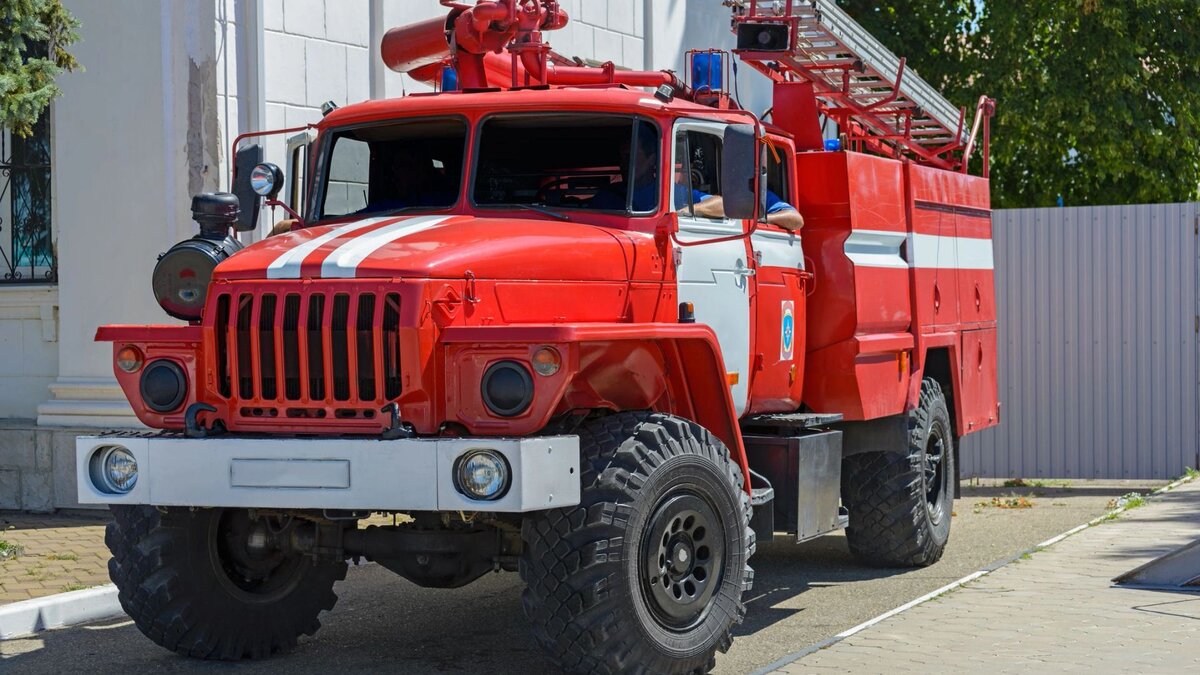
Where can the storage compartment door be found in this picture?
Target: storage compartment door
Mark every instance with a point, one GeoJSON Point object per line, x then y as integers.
{"type": "Point", "coordinates": [978, 398]}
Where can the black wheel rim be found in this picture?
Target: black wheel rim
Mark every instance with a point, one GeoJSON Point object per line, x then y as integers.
{"type": "Point", "coordinates": [935, 474]}
{"type": "Point", "coordinates": [682, 557]}
{"type": "Point", "coordinates": [254, 574]}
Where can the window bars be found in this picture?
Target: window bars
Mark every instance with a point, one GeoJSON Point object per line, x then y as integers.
{"type": "Point", "coordinates": [27, 250]}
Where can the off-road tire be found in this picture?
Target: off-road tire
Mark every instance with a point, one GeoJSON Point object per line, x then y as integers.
{"type": "Point", "coordinates": [163, 567]}
{"type": "Point", "coordinates": [887, 493]}
{"type": "Point", "coordinates": [583, 566]}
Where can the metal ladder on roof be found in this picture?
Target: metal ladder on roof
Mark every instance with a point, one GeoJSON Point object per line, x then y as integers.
{"type": "Point", "coordinates": [859, 83]}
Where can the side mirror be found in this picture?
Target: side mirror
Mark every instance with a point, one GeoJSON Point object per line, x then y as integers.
{"type": "Point", "coordinates": [739, 172]}
{"type": "Point", "coordinates": [244, 162]}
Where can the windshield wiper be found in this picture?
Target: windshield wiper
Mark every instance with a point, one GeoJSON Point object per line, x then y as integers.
{"type": "Point", "coordinates": [544, 211]}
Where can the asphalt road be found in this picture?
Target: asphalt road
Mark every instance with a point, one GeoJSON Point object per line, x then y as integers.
{"type": "Point", "coordinates": [803, 594]}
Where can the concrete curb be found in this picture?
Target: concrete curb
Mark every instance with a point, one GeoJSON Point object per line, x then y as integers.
{"type": "Point", "coordinates": [796, 656]}
{"type": "Point", "coordinates": [21, 619]}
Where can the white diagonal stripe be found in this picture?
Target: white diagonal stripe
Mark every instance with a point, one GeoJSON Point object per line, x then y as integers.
{"type": "Point", "coordinates": [343, 263]}
{"type": "Point", "coordinates": [287, 266]}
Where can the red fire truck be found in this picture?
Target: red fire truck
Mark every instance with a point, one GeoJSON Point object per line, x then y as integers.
{"type": "Point", "coordinates": [545, 320]}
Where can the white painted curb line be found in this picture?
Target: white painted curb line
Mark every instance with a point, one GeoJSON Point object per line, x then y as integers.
{"type": "Point", "coordinates": [58, 611]}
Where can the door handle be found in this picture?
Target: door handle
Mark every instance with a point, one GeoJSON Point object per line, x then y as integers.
{"type": "Point", "coordinates": [745, 272]}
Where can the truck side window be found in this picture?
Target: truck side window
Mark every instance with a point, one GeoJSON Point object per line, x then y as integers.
{"type": "Point", "coordinates": [777, 173]}
{"type": "Point", "coordinates": [697, 169]}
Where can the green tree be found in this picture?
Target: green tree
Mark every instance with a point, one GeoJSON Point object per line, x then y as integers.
{"type": "Point", "coordinates": [1098, 100]}
{"type": "Point", "coordinates": [34, 37]}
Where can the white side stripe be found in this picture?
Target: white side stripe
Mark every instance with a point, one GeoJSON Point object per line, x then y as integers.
{"type": "Point", "coordinates": [873, 248]}
{"type": "Point", "coordinates": [867, 248]}
{"type": "Point", "coordinates": [287, 266]}
{"type": "Point", "coordinates": [343, 263]}
{"type": "Point", "coordinates": [964, 253]}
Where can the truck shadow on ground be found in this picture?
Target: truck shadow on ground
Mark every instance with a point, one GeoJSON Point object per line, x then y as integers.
{"type": "Point", "coordinates": [783, 570]}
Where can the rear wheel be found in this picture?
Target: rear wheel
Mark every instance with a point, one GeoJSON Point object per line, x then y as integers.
{"type": "Point", "coordinates": [646, 575]}
{"type": "Point", "coordinates": [195, 583]}
{"type": "Point", "coordinates": [901, 502]}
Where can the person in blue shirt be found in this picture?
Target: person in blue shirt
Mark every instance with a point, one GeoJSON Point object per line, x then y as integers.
{"type": "Point", "coordinates": [779, 212]}
{"type": "Point", "coordinates": [645, 192]}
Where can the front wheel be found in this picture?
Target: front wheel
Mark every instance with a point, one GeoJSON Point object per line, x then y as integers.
{"type": "Point", "coordinates": [646, 575]}
{"type": "Point", "coordinates": [194, 582]}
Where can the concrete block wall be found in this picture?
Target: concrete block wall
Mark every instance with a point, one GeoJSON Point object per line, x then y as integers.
{"type": "Point", "coordinates": [37, 467]}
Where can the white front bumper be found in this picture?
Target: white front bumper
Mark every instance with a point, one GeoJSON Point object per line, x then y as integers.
{"type": "Point", "coordinates": [331, 473]}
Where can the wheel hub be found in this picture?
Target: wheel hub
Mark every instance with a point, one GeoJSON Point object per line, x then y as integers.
{"type": "Point", "coordinates": [683, 552]}
{"type": "Point", "coordinates": [246, 559]}
{"type": "Point", "coordinates": [935, 452]}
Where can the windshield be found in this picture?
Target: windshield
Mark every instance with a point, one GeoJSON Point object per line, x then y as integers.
{"type": "Point", "coordinates": [382, 169]}
{"type": "Point", "coordinates": [568, 162]}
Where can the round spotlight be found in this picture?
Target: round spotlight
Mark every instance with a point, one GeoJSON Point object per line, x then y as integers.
{"type": "Point", "coordinates": [129, 359]}
{"type": "Point", "coordinates": [164, 386]}
{"type": "Point", "coordinates": [114, 470]}
{"type": "Point", "coordinates": [507, 388]}
{"type": "Point", "coordinates": [482, 475]}
{"type": "Point", "coordinates": [546, 361]}
{"type": "Point", "coordinates": [266, 180]}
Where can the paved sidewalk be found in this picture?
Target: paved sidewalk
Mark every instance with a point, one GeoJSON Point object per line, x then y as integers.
{"type": "Point", "coordinates": [57, 553]}
{"type": "Point", "coordinates": [1053, 611]}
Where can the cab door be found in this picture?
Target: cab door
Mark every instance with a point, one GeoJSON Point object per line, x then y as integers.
{"type": "Point", "coordinates": [717, 278]}
{"type": "Point", "coordinates": [779, 303]}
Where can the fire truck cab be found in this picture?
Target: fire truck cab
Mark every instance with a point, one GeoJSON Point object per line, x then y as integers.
{"type": "Point", "coordinates": [508, 316]}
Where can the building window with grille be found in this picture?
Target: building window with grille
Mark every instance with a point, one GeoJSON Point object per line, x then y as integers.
{"type": "Point", "coordinates": [27, 253]}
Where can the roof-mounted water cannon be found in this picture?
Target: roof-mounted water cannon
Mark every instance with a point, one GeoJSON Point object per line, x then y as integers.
{"type": "Point", "coordinates": [499, 44]}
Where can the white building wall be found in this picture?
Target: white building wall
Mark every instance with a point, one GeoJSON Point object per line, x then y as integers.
{"type": "Point", "coordinates": [28, 347]}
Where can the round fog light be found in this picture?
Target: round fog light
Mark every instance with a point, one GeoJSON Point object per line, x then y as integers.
{"type": "Point", "coordinates": [114, 470]}
{"type": "Point", "coordinates": [482, 474]}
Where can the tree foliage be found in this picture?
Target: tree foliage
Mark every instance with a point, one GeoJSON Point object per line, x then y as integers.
{"type": "Point", "coordinates": [34, 37]}
{"type": "Point", "coordinates": [1098, 100]}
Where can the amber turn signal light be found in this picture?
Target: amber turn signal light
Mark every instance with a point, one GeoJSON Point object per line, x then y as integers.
{"type": "Point", "coordinates": [546, 361]}
{"type": "Point", "coordinates": [130, 359]}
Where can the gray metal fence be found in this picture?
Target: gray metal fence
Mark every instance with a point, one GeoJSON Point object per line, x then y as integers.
{"type": "Point", "coordinates": [1098, 344]}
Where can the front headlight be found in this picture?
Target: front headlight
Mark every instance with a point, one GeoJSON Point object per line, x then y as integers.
{"type": "Point", "coordinates": [114, 470]}
{"type": "Point", "coordinates": [482, 474]}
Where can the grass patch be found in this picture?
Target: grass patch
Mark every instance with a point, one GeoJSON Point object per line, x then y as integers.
{"type": "Point", "coordinates": [1009, 502]}
{"type": "Point", "coordinates": [1128, 501]}
{"type": "Point", "coordinates": [9, 551]}
{"type": "Point", "coordinates": [1190, 473]}
{"type": "Point", "coordinates": [1036, 483]}
{"type": "Point", "coordinates": [62, 556]}
{"type": "Point", "coordinates": [73, 587]}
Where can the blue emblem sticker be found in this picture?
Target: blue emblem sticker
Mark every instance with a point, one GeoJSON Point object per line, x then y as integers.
{"type": "Point", "coordinates": [787, 338]}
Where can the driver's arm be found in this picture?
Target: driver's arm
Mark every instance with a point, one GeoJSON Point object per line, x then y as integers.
{"type": "Point", "coordinates": [780, 213]}
{"type": "Point", "coordinates": [711, 207]}
{"type": "Point", "coordinates": [789, 219]}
